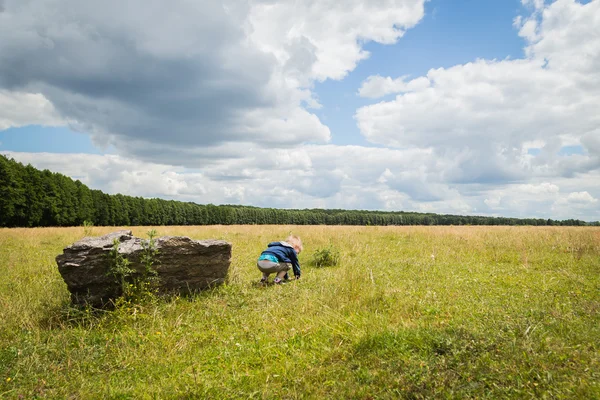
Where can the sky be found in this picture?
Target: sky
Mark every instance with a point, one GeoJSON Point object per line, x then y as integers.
{"type": "Point", "coordinates": [471, 107]}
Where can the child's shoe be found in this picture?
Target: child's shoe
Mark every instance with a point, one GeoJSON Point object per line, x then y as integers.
{"type": "Point", "coordinates": [278, 281]}
{"type": "Point", "coordinates": [263, 280]}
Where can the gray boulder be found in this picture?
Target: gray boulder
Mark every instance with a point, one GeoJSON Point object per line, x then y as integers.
{"type": "Point", "coordinates": [184, 265]}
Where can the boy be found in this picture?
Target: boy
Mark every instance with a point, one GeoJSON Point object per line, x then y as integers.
{"type": "Point", "coordinates": [279, 257]}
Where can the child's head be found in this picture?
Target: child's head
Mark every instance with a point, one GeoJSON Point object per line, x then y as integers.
{"type": "Point", "coordinates": [295, 242]}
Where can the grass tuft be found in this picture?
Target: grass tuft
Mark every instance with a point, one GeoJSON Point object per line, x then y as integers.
{"type": "Point", "coordinates": [325, 257]}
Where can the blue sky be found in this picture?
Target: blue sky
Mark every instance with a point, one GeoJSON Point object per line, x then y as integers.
{"type": "Point", "coordinates": [463, 107]}
{"type": "Point", "coordinates": [36, 138]}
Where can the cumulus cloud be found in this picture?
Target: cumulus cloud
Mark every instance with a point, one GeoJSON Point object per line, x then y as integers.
{"type": "Point", "coordinates": [523, 196]}
{"type": "Point", "coordinates": [536, 4]}
{"type": "Point", "coordinates": [323, 39]}
{"type": "Point", "coordinates": [20, 109]}
{"type": "Point", "coordinates": [485, 114]}
{"type": "Point", "coordinates": [541, 188]}
{"type": "Point", "coordinates": [578, 203]}
{"type": "Point", "coordinates": [188, 74]}
{"type": "Point", "coordinates": [580, 198]}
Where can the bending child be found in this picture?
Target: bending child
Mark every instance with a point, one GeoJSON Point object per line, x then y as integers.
{"type": "Point", "coordinates": [279, 257]}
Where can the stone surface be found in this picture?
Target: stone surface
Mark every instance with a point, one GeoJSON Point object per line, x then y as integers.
{"type": "Point", "coordinates": [184, 265]}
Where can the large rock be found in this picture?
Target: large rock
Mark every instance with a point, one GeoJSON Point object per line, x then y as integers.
{"type": "Point", "coordinates": [184, 265]}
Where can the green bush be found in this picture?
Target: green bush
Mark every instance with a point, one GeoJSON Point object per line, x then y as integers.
{"type": "Point", "coordinates": [327, 257]}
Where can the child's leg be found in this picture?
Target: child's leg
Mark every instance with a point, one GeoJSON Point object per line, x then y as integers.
{"type": "Point", "coordinates": [283, 270]}
{"type": "Point", "coordinates": [265, 276]}
{"type": "Point", "coordinates": [281, 274]}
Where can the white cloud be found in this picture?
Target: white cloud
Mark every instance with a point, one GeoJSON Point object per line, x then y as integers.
{"type": "Point", "coordinates": [522, 197]}
{"type": "Point", "coordinates": [493, 201]}
{"type": "Point", "coordinates": [538, 189]}
{"type": "Point", "coordinates": [485, 115]}
{"type": "Point", "coordinates": [529, 30]}
{"type": "Point", "coordinates": [19, 109]}
{"type": "Point", "coordinates": [378, 86]}
{"type": "Point", "coordinates": [581, 197]}
{"type": "Point", "coordinates": [323, 39]}
{"type": "Point", "coordinates": [535, 4]}
{"type": "Point", "coordinates": [111, 173]}
{"type": "Point", "coordinates": [578, 203]}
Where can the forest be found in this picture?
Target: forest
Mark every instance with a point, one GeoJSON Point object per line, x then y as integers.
{"type": "Point", "coordinates": [33, 198]}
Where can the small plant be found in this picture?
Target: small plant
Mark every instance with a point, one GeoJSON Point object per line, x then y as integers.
{"type": "Point", "coordinates": [87, 228]}
{"type": "Point", "coordinates": [135, 287]}
{"type": "Point", "coordinates": [327, 257]}
{"type": "Point", "coordinates": [119, 267]}
{"type": "Point", "coordinates": [149, 279]}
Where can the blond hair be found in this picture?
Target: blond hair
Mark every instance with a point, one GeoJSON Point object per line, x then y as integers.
{"type": "Point", "coordinates": [295, 241]}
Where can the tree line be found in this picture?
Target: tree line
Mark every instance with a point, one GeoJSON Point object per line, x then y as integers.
{"type": "Point", "coordinates": [33, 198]}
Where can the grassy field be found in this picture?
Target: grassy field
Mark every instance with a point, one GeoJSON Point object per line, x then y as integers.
{"type": "Point", "coordinates": [410, 312]}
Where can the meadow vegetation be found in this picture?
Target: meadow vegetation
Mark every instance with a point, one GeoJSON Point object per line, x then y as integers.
{"type": "Point", "coordinates": [407, 312]}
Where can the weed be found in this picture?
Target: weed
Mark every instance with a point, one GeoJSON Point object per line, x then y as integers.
{"type": "Point", "coordinates": [135, 287]}
{"type": "Point", "coordinates": [326, 257]}
{"type": "Point", "coordinates": [149, 276]}
{"type": "Point", "coordinates": [119, 267]}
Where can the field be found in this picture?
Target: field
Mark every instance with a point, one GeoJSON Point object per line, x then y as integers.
{"type": "Point", "coordinates": [409, 312]}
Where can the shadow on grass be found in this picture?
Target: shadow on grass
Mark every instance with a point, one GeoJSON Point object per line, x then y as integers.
{"type": "Point", "coordinates": [270, 284]}
{"type": "Point", "coordinates": [68, 315]}
{"type": "Point", "coordinates": [422, 363]}
{"type": "Point", "coordinates": [453, 362]}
